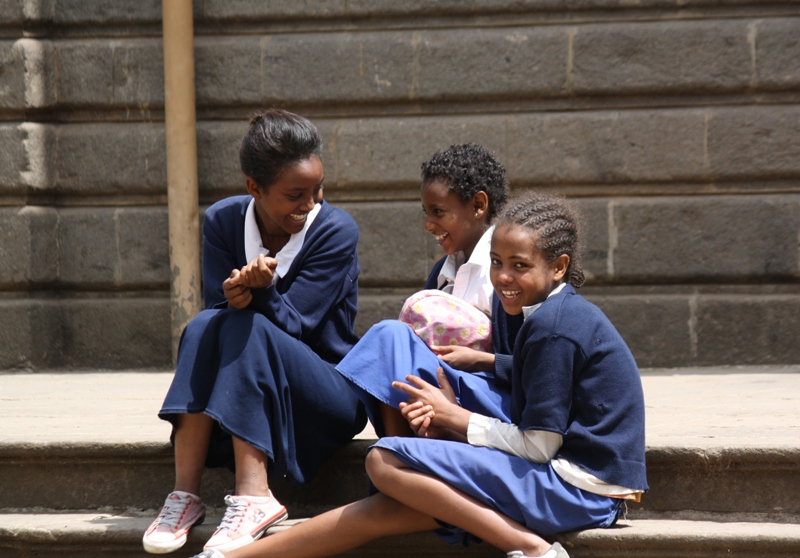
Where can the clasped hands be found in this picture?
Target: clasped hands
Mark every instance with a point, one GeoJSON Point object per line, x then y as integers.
{"type": "Point", "coordinates": [433, 412]}
{"type": "Point", "coordinates": [258, 274]}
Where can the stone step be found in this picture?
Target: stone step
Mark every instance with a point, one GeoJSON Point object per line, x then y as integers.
{"type": "Point", "coordinates": [99, 534]}
{"type": "Point", "coordinates": [719, 440]}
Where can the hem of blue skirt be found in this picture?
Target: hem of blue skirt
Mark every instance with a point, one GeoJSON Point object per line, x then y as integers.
{"type": "Point", "coordinates": [364, 389]}
{"type": "Point", "coordinates": [163, 413]}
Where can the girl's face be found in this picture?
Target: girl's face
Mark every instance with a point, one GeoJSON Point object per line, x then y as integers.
{"type": "Point", "coordinates": [520, 272]}
{"type": "Point", "coordinates": [282, 207]}
{"type": "Point", "coordinates": [457, 225]}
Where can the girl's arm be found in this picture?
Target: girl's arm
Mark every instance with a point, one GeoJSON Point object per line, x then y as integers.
{"type": "Point", "coordinates": [430, 406]}
{"type": "Point", "coordinates": [538, 446]}
{"type": "Point", "coordinates": [329, 269]}
{"type": "Point", "coordinates": [466, 359]}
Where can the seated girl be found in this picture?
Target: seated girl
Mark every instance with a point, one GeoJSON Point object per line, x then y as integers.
{"type": "Point", "coordinates": [570, 454]}
{"type": "Point", "coordinates": [255, 385]}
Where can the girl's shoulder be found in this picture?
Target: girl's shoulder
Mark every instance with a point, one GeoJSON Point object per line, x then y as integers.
{"type": "Point", "coordinates": [233, 205]}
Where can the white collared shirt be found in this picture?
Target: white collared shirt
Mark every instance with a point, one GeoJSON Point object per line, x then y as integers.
{"type": "Point", "coordinates": [469, 280]}
{"type": "Point", "coordinates": [254, 246]}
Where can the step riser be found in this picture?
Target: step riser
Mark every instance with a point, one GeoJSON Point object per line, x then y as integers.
{"type": "Point", "coordinates": [764, 483]}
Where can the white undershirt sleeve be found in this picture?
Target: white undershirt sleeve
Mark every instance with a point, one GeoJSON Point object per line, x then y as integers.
{"type": "Point", "coordinates": [538, 446]}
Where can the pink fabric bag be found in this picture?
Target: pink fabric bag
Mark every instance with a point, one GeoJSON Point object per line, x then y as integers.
{"type": "Point", "coordinates": [441, 319]}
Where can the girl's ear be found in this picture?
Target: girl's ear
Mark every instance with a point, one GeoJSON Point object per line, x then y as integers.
{"type": "Point", "coordinates": [480, 204]}
{"type": "Point", "coordinates": [252, 188]}
{"type": "Point", "coordinates": [560, 266]}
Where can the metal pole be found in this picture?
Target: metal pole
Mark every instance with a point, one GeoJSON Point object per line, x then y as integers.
{"type": "Point", "coordinates": [182, 198]}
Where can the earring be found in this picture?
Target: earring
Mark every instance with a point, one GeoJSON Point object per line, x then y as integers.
{"type": "Point", "coordinates": [476, 213]}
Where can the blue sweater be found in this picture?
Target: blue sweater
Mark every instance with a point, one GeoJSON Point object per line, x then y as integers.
{"type": "Point", "coordinates": [316, 302]}
{"type": "Point", "coordinates": [574, 375]}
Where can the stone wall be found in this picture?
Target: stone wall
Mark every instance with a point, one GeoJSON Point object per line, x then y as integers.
{"type": "Point", "coordinates": [675, 124]}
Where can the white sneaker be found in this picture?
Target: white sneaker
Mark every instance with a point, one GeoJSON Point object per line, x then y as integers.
{"type": "Point", "coordinates": [169, 530]}
{"type": "Point", "coordinates": [245, 520]}
{"type": "Point", "coordinates": [556, 551]}
{"type": "Point", "coordinates": [209, 554]}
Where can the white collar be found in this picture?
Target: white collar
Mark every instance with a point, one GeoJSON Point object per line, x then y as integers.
{"type": "Point", "coordinates": [453, 263]}
{"type": "Point", "coordinates": [253, 245]}
{"type": "Point", "coordinates": [528, 310]}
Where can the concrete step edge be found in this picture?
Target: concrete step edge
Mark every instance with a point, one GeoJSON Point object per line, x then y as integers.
{"type": "Point", "coordinates": [645, 537]}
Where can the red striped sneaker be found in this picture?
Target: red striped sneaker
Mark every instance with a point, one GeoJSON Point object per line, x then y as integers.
{"type": "Point", "coordinates": [245, 520]}
{"type": "Point", "coordinates": [168, 532]}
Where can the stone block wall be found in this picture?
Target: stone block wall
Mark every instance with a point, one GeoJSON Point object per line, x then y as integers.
{"type": "Point", "coordinates": [675, 124]}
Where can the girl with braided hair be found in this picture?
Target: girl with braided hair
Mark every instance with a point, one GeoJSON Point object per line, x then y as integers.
{"type": "Point", "coordinates": [567, 457]}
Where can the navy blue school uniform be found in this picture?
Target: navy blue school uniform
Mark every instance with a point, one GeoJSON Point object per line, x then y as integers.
{"type": "Point", "coordinates": [573, 375]}
{"type": "Point", "coordinates": [266, 374]}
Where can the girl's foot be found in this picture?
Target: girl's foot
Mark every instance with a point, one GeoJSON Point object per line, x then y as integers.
{"type": "Point", "coordinates": [168, 532]}
{"type": "Point", "coordinates": [245, 520]}
{"type": "Point", "coordinates": [556, 551]}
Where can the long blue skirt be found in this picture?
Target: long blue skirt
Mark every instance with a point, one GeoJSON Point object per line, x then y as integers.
{"type": "Point", "coordinates": [391, 350]}
{"type": "Point", "coordinates": [264, 387]}
{"type": "Point", "coordinates": [530, 493]}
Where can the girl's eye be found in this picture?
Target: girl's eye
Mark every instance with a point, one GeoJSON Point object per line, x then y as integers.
{"type": "Point", "coordinates": [424, 211]}
{"type": "Point", "coordinates": [495, 261]}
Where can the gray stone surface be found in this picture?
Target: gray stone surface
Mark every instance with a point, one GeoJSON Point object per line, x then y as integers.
{"type": "Point", "coordinates": [778, 53]}
{"type": "Point", "coordinates": [85, 72]}
{"type": "Point", "coordinates": [28, 246]}
{"type": "Point", "coordinates": [760, 142]}
{"type": "Point", "coordinates": [605, 147]}
{"type": "Point", "coordinates": [12, 76]}
{"type": "Point", "coordinates": [662, 57]}
{"type": "Point", "coordinates": [111, 158]}
{"type": "Point", "coordinates": [490, 63]}
{"type": "Point", "coordinates": [115, 333]}
{"type": "Point", "coordinates": [706, 239]}
{"type": "Point", "coordinates": [729, 326]}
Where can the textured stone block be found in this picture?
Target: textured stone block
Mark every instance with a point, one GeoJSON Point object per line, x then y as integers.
{"type": "Point", "coordinates": [474, 64]}
{"type": "Point", "coordinates": [30, 334]}
{"type": "Point", "coordinates": [12, 76]}
{"type": "Point", "coordinates": [218, 168]}
{"type": "Point", "coordinates": [116, 333]}
{"type": "Point", "coordinates": [757, 142]}
{"type": "Point", "coordinates": [778, 53]}
{"type": "Point", "coordinates": [106, 11]}
{"type": "Point", "coordinates": [277, 9]}
{"type": "Point", "coordinates": [138, 67]}
{"type": "Point", "coordinates": [386, 152]}
{"type": "Point", "coordinates": [87, 241]}
{"type": "Point", "coordinates": [228, 71]}
{"type": "Point", "coordinates": [85, 72]}
{"type": "Point", "coordinates": [742, 329]}
{"type": "Point", "coordinates": [111, 158]}
{"type": "Point", "coordinates": [707, 238]}
{"type": "Point", "coordinates": [662, 57]}
{"type": "Point", "coordinates": [27, 158]}
{"type": "Point", "coordinates": [606, 147]}
{"type": "Point", "coordinates": [339, 67]}
{"type": "Point", "coordinates": [11, 13]}
{"type": "Point", "coordinates": [14, 158]}
{"type": "Point", "coordinates": [655, 327]}
{"type": "Point", "coordinates": [393, 248]}
{"type": "Point", "coordinates": [28, 246]}
{"type": "Point", "coordinates": [596, 238]}
{"type": "Point", "coordinates": [143, 247]}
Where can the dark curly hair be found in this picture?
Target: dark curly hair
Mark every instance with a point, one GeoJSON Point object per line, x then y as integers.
{"type": "Point", "coordinates": [468, 169]}
{"type": "Point", "coordinates": [276, 140]}
{"type": "Point", "coordinates": [557, 226]}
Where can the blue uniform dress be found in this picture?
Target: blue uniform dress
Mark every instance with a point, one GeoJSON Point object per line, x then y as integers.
{"type": "Point", "coordinates": [572, 374]}
{"type": "Point", "coordinates": [266, 373]}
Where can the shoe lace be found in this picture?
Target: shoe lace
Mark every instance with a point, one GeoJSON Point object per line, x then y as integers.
{"type": "Point", "coordinates": [234, 513]}
{"type": "Point", "coordinates": [172, 511]}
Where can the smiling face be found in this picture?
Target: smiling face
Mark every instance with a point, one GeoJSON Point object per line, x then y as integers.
{"type": "Point", "coordinates": [283, 207]}
{"type": "Point", "coordinates": [456, 224]}
{"type": "Point", "coordinates": [520, 272]}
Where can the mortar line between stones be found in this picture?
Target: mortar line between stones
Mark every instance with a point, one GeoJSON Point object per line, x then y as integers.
{"type": "Point", "coordinates": [612, 239]}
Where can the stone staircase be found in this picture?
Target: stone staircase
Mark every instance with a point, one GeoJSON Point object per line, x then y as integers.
{"type": "Point", "coordinates": [84, 464]}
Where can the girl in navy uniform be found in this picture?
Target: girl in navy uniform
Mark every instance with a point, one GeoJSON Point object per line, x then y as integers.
{"type": "Point", "coordinates": [572, 453]}
{"type": "Point", "coordinates": [255, 385]}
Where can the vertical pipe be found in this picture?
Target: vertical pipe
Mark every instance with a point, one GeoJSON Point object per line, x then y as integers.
{"type": "Point", "coordinates": [182, 197]}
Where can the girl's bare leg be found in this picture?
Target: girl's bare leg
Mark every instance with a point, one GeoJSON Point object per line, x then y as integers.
{"type": "Point", "coordinates": [394, 424]}
{"type": "Point", "coordinates": [436, 498]}
{"type": "Point", "coordinates": [251, 469]}
{"type": "Point", "coordinates": [192, 437]}
{"type": "Point", "coordinates": [340, 530]}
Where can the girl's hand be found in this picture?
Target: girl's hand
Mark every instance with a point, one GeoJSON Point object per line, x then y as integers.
{"type": "Point", "coordinates": [447, 414]}
{"type": "Point", "coordinates": [238, 295]}
{"type": "Point", "coordinates": [466, 359]}
{"type": "Point", "coordinates": [260, 272]}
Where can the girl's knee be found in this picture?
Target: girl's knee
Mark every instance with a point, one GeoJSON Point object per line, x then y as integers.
{"type": "Point", "coordinates": [380, 463]}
